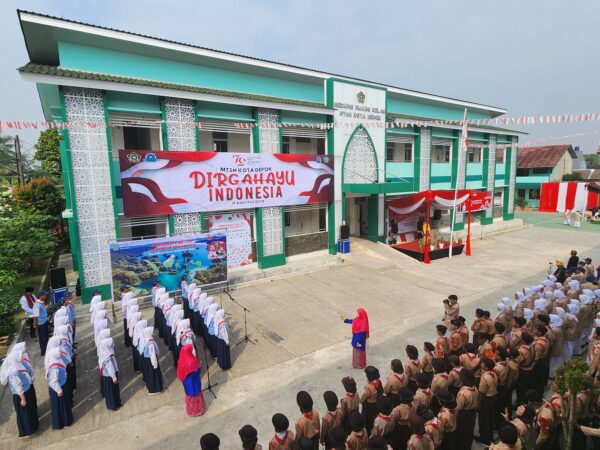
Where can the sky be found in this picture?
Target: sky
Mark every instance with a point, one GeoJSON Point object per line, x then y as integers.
{"type": "Point", "coordinates": [533, 57]}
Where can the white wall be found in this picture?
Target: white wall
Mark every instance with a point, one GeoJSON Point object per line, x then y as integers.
{"type": "Point", "coordinates": [564, 165]}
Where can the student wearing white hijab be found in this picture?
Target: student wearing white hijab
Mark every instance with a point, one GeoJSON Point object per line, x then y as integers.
{"type": "Point", "coordinates": [60, 401]}
{"type": "Point", "coordinates": [169, 320]}
{"type": "Point", "coordinates": [158, 293]}
{"type": "Point", "coordinates": [97, 298]}
{"type": "Point", "coordinates": [209, 340]}
{"type": "Point", "coordinates": [16, 372]}
{"type": "Point", "coordinates": [128, 303]}
{"type": "Point", "coordinates": [153, 374]}
{"type": "Point", "coordinates": [177, 317]}
{"type": "Point", "coordinates": [185, 335]}
{"type": "Point", "coordinates": [109, 374]}
{"type": "Point", "coordinates": [99, 324]}
{"type": "Point", "coordinates": [167, 305]}
{"type": "Point", "coordinates": [221, 333]}
{"type": "Point", "coordinates": [134, 319]}
{"type": "Point", "coordinates": [197, 324]}
{"type": "Point", "coordinates": [138, 345]}
{"type": "Point", "coordinates": [94, 309]}
{"type": "Point", "coordinates": [66, 345]}
{"type": "Point", "coordinates": [556, 352]}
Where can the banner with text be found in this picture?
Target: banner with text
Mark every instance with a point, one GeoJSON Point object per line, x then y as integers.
{"type": "Point", "coordinates": [480, 201]}
{"type": "Point", "coordinates": [157, 182]}
{"type": "Point", "coordinates": [239, 236]}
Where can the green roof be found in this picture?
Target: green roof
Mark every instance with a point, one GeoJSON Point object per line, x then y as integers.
{"type": "Point", "coordinates": [95, 76]}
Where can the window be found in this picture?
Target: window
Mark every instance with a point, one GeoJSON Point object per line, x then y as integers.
{"type": "Point", "coordinates": [285, 145]}
{"type": "Point", "coordinates": [522, 172]}
{"type": "Point", "coordinates": [399, 151]}
{"type": "Point", "coordinates": [408, 152]}
{"type": "Point", "coordinates": [542, 171]}
{"type": "Point", "coordinates": [442, 151]}
{"type": "Point", "coordinates": [305, 219]}
{"type": "Point", "coordinates": [287, 218]}
{"type": "Point", "coordinates": [499, 156]}
{"type": "Point", "coordinates": [320, 146]}
{"type": "Point", "coordinates": [129, 131]}
{"type": "Point", "coordinates": [219, 142]}
{"type": "Point", "coordinates": [521, 193]}
{"type": "Point", "coordinates": [474, 155]}
{"type": "Point", "coordinates": [391, 151]}
{"type": "Point", "coordinates": [135, 228]}
{"type": "Point", "coordinates": [137, 138]}
{"type": "Point", "coordinates": [322, 219]}
{"type": "Point", "coordinates": [534, 194]}
{"type": "Point", "coordinates": [303, 140]}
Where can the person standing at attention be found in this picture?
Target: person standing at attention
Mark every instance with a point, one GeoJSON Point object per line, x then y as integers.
{"type": "Point", "coordinates": [360, 334]}
{"type": "Point", "coordinates": [27, 301]}
{"type": "Point", "coordinates": [40, 317]}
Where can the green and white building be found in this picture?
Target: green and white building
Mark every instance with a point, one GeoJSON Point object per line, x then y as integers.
{"type": "Point", "coordinates": [142, 85]}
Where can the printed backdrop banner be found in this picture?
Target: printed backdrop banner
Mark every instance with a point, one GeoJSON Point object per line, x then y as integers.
{"type": "Point", "coordinates": [480, 201]}
{"type": "Point", "coordinates": [138, 264]}
{"type": "Point", "coordinates": [239, 237]}
{"type": "Point", "coordinates": [158, 183]}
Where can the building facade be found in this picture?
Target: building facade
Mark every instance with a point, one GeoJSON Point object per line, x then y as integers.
{"type": "Point", "coordinates": [537, 165]}
{"type": "Point", "coordinates": [162, 95]}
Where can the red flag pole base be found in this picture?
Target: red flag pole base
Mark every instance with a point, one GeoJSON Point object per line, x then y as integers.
{"type": "Point", "coordinates": [426, 259]}
{"type": "Point", "coordinates": [468, 251]}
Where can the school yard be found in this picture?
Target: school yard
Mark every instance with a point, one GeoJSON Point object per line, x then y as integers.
{"type": "Point", "coordinates": [300, 341]}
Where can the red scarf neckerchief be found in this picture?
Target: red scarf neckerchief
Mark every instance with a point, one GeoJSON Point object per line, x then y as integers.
{"type": "Point", "coordinates": [399, 376]}
{"type": "Point", "coordinates": [385, 418]}
{"type": "Point", "coordinates": [282, 441]}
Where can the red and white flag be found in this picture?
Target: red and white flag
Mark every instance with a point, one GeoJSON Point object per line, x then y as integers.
{"type": "Point", "coordinates": [464, 142]}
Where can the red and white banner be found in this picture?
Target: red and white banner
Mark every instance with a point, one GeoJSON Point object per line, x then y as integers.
{"type": "Point", "coordinates": [239, 237]}
{"type": "Point", "coordinates": [480, 201]}
{"type": "Point", "coordinates": [157, 183]}
{"type": "Point", "coordinates": [566, 196]}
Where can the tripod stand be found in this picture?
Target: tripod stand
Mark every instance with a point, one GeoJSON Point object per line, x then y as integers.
{"type": "Point", "coordinates": [246, 310]}
{"type": "Point", "coordinates": [209, 386]}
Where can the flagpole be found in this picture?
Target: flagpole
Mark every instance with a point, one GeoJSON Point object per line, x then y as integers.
{"type": "Point", "coordinates": [460, 145]}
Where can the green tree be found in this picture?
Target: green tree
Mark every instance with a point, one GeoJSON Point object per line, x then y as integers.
{"type": "Point", "coordinates": [40, 195]}
{"type": "Point", "coordinates": [571, 177]}
{"type": "Point", "coordinates": [571, 378]}
{"type": "Point", "coordinates": [47, 152]}
{"type": "Point", "coordinates": [592, 160]}
{"type": "Point", "coordinates": [24, 239]}
{"type": "Point", "coordinates": [7, 157]}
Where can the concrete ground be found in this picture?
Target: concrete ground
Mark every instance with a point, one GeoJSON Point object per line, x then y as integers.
{"type": "Point", "coordinates": [300, 341]}
{"type": "Point", "coordinates": [555, 221]}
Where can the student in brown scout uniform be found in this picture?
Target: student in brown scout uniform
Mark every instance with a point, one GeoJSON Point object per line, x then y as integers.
{"type": "Point", "coordinates": [526, 378]}
{"type": "Point", "coordinates": [451, 309]}
{"type": "Point", "coordinates": [469, 360]}
{"type": "Point", "coordinates": [488, 390]}
{"type": "Point", "coordinates": [368, 399]}
{"type": "Point", "coordinates": [477, 324]}
{"type": "Point", "coordinates": [401, 414]}
{"type": "Point", "coordinates": [440, 381]}
{"type": "Point", "coordinates": [348, 403]}
{"type": "Point", "coordinates": [499, 339]}
{"type": "Point", "coordinates": [331, 418]}
{"type": "Point", "coordinates": [358, 438]}
{"type": "Point", "coordinates": [464, 329]}
{"type": "Point", "coordinates": [337, 437]}
{"type": "Point", "coordinates": [518, 330]}
{"type": "Point", "coordinates": [249, 437]}
{"type": "Point", "coordinates": [413, 367]}
{"type": "Point", "coordinates": [509, 438]}
{"type": "Point", "coordinates": [419, 440]}
{"type": "Point", "coordinates": [447, 417]}
{"type": "Point", "coordinates": [284, 438]}
{"type": "Point", "coordinates": [308, 424]}
{"type": "Point", "coordinates": [441, 343]}
{"type": "Point", "coordinates": [541, 349]}
{"type": "Point", "coordinates": [488, 325]}
{"type": "Point", "coordinates": [502, 372]}
{"type": "Point", "coordinates": [485, 349]}
{"type": "Point", "coordinates": [455, 342]}
{"type": "Point", "coordinates": [428, 349]}
{"type": "Point", "coordinates": [395, 380]}
{"type": "Point", "coordinates": [384, 423]}
{"type": "Point", "coordinates": [466, 404]}
{"type": "Point", "coordinates": [523, 422]}
{"type": "Point", "coordinates": [454, 383]}
{"type": "Point", "coordinates": [549, 427]}
{"type": "Point", "coordinates": [433, 426]}
{"type": "Point", "coordinates": [513, 376]}
{"type": "Point", "coordinates": [423, 396]}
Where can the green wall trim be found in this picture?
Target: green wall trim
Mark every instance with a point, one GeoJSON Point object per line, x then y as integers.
{"type": "Point", "coordinates": [356, 83]}
{"type": "Point", "coordinates": [487, 220]}
{"type": "Point", "coordinates": [163, 126]}
{"type": "Point", "coordinates": [417, 161]}
{"type": "Point", "coordinates": [331, 225]}
{"type": "Point", "coordinates": [267, 262]}
{"type": "Point", "coordinates": [110, 167]}
{"type": "Point", "coordinates": [88, 292]}
{"type": "Point", "coordinates": [197, 129]}
{"type": "Point", "coordinates": [377, 188]}
{"type": "Point", "coordinates": [372, 217]}
{"type": "Point", "coordinates": [508, 175]}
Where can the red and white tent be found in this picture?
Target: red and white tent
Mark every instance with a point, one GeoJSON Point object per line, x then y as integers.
{"type": "Point", "coordinates": [567, 195]}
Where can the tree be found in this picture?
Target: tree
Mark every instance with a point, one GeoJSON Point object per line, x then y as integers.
{"type": "Point", "coordinates": [571, 177]}
{"type": "Point", "coordinates": [571, 378]}
{"type": "Point", "coordinates": [592, 161]}
{"type": "Point", "coordinates": [40, 195]}
{"type": "Point", "coordinates": [24, 239]}
{"type": "Point", "coordinates": [7, 157]}
{"type": "Point", "coordinates": [47, 152]}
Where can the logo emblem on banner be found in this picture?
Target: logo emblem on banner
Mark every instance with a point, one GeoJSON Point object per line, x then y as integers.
{"type": "Point", "coordinates": [360, 97]}
{"type": "Point", "coordinates": [134, 157]}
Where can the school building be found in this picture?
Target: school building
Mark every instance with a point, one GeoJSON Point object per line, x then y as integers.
{"type": "Point", "coordinates": [154, 93]}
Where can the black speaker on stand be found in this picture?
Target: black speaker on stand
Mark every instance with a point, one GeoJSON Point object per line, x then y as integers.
{"type": "Point", "coordinates": [58, 278]}
{"type": "Point", "coordinates": [344, 232]}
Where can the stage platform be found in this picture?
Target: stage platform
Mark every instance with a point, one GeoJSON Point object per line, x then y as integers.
{"type": "Point", "coordinates": [413, 250]}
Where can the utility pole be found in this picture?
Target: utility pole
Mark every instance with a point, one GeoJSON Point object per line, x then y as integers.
{"type": "Point", "coordinates": [20, 179]}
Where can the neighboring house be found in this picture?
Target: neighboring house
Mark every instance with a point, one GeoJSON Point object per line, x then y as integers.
{"type": "Point", "coordinates": [537, 165]}
{"type": "Point", "coordinates": [588, 174]}
{"type": "Point", "coordinates": [163, 95]}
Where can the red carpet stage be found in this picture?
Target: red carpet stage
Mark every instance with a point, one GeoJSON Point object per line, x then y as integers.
{"type": "Point", "coordinates": [413, 250]}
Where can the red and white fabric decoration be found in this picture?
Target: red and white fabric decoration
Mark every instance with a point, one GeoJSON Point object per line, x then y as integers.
{"type": "Point", "coordinates": [567, 195]}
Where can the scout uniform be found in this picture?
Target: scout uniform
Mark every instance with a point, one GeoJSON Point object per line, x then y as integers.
{"type": "Point", "coordinates": [455, 342]}
{"type": "Point", "coordinates": [426, 364]}
{"type": "Point", "coordinates": [420, 442]}
{"type": "Point", "coordinates": [412, 368]}
{"type": "Point", "coordinates": [451, 311]}
{"type": "Point", "coordinates": [488, 389]}
{"type": "Point", "coordinates": [308, 425]}
{"type": "Point", "coordinates": [383, 426]}
{"type": "Point", "coordinates": [464, 333]}
{"type": "Point", "coordinates": [393, 384]}
{"type": "Point", "coordinates": [499, 341]}
{"type": "Point", "coordinates": [282, 441]}
{"type": "Point", "coordinates": [357, 441]}
{"type": "Point", "coordinates": [441, 347]}
{"type": "Point", "coordinates": [330, 419]}
{"type": "Point", "coordinates": [434, 429]}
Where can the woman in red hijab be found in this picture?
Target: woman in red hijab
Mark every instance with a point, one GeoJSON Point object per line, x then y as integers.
{"type": "Point", "coordinates": [360, 333]}
{"type": "Point", "coordinates": [188, 372]}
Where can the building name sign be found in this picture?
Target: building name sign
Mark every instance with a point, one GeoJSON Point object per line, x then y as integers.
{"type": "Point", "coordinates": [359, 112]}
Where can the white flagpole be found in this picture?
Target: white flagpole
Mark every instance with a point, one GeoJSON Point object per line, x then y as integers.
{"type": "Point", "coordinates": [460, 151]}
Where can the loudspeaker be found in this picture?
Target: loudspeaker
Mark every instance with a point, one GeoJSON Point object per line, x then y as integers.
{"type": "Point", "coordinates": [437, 214]}
{"type": "Point", "coordinates": [344, 232]}
{"type": "Point", "coordinates": [58, 278]}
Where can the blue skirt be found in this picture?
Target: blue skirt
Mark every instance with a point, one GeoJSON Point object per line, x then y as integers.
{"type": "Point", "coordinates": [43, 336]}
{"type": "Point", "coordinates": [153, 377]}
{"type": "Point", "coordinates": [223, 354]}
{"type": "Point", "coordinates": [112, 393]}
{"type": "Point", "coordinates": [60, 407]}
{"type": "Point", "coordinates": [27, 416]}
{"type": "Point", "coordinates": [136, 360]}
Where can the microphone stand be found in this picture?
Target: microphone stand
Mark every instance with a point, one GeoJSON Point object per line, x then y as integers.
{"type": "Point", "coordinates": [246, 310]}
{"type": "Point", "coordinates": [209, 386]}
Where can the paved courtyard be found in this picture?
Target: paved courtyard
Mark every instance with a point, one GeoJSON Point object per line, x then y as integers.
{"type": "Point", "coordinates": [300, 341]}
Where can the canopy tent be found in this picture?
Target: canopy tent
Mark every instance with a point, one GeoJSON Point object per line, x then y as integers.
{"type": "Point", "coordinates": [440, 200]}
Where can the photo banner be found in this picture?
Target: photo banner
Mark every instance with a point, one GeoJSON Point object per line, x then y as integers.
{"type": "Point", "coordinates": [239, 236]}
{"type": "Point", "coordinates": [202, 259]}
{"type": "Point", "coordinates": [480, 201]}
{"type": "Point", "coordinates": [164, 182]}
